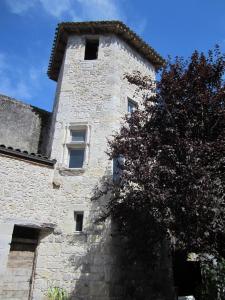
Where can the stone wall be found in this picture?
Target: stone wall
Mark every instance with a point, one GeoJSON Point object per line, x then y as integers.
{"type": "Point", "coordinates": [82, 263]}
{"type": "Point", "coordinates": [26, 198]}
{"type": "Point", "coordinates": [93, 93]}
{"type": "Point", "coordinates": [23, 126]}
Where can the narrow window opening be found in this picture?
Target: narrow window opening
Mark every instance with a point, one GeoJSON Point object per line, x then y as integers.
{"type": "Point", "coordinates": [118, 165]}
{"type": "Point", "coordinates": [91, 49]}
{"type": "Point", "coordinates": [132, 106]}
{"type": "Point", "coordinates": [78, 216]}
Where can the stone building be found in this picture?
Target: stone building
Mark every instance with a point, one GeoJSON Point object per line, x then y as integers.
{"type": "Point", "coordinates": [51, 164]}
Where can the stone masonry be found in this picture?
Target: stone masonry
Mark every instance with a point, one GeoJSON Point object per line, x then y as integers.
{"type": "Point", "coordinates": [23, 126]}
{"type": "Point", "coordinates": [91, 93]}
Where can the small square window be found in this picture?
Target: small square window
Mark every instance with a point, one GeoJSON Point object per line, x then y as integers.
{"type": "Point", "coordinates": [76, 158]}
{"type": "Point", "coordinates": [91, 49]}
{"type": "Point", "coordinates": [132, 106]}
{"type": "Point", "coordinates": [78, 217]}
{"type": "Point", "coordinates": [78, 136]}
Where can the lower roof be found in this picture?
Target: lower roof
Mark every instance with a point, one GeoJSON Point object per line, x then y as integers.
{"type": "Point", "coordinates": [24, 155]}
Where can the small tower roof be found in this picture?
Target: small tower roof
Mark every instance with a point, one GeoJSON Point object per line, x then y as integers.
{"type": "Point", "coordinates": [118, 28]}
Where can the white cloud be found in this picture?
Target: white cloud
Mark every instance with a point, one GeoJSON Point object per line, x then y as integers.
{"type": "Point", "coordinates": [57, 8]}
{"type": "Point", "coordinates": [20, 82]}
{"type": "Point", "coordinates": [101, 9]}
{"type": "Point", "coordinates": [72, 9]}
{"type": "Point", "coordinates": [141, 26]}
{"type": "Point", "coordinates": [20, 6]}
{"type": "Point", "coordinates": [19, 90]}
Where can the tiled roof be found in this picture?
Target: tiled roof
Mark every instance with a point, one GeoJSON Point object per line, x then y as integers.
{"type": "Point", "coordinates": [9, 151]}
{"type": "Point", "coordinates": [101, 27]}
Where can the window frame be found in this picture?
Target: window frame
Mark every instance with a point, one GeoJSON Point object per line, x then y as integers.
{"type": "Point", "coordinates": [73, 145]}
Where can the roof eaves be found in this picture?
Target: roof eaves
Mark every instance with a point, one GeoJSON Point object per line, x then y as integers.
{"type": "Point", "coordinates": [38, 158]}
{"type": "Point", "coordinates": [117, 27]}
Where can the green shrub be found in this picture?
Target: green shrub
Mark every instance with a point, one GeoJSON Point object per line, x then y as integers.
{"type": "Point", "coordinates": [57, 293]}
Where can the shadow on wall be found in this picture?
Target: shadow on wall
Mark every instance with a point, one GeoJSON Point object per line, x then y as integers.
{"type": "Point", "coordinates": [100, 269]}
{"type": "Point", "coordinates": [45, 118]}
{"type": "Point", "coordinates": [105, 272]}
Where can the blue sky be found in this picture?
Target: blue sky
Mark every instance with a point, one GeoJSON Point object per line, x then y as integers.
{"type": "Point", "coordinates": [172, 27]}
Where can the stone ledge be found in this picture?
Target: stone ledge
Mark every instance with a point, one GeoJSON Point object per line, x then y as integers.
{"type": "Point", "coordinates": [71, 172]}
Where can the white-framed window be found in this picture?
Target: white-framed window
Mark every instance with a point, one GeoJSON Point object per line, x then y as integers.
{"type": "Point", "coordinates": [79, 220]}
{"type": "Point", "coordinates": [77, 146]}
{"type": "Point", "coordinates": [131, 105]}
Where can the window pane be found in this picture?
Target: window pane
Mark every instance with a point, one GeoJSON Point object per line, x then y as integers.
{"type": "Point", "coordinates": [76, 158]}
{"type": "Point", "coordinates": [78, 136]}
{"type": "Point", "coordinates": [118, 165]}
{"type": "Point", "coordinates": [131, 106]}
{"type": "Point", "coordinates": [79, 221]}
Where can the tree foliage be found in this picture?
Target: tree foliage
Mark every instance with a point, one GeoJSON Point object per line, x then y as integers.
{"type": "Point", "coordinates": [213, 277]}
{"type": "Point", "coordinates": [173, 179]}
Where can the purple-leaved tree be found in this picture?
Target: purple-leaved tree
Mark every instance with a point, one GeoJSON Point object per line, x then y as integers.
{"type": "Point", "coordinates": [172, 185]}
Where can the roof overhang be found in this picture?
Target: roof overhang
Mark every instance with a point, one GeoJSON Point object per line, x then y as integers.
{"type": "Point", "coordinates": [24, 155]}
{"type": "Point", "coordinates": [65, 29]}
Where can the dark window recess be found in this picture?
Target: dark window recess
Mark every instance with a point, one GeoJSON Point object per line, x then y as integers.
{"type": "Point", "coordinates": [91, 49]}
{"type": "Point", "coordinates": [79, 216]}
{"type": "Point", "coordinates": [132, 106]}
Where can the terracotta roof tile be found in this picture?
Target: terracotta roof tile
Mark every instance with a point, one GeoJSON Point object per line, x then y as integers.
{"type": "Point", "coordinates": [99, 27]}
{"type": "Point", "coordinates": [35, 157]}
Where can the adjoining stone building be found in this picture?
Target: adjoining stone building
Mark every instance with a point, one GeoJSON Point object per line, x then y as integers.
{"type": "Point", "coordinates": [51, 163]}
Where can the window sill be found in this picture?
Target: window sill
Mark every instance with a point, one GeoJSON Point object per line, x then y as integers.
{"type": "Point", "coordinates": [78, 237]}
{"type": "Point", "coordinates": [71, 172]}
{"type": "Point", "coordinates": [80, 233]}
{"type": "Point", "coordinates": [90, 61]}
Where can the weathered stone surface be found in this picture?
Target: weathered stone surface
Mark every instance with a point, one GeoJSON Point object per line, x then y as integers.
{"type": "Point", "coordinates": [93, 93]}
{"type": "Point", "coordinates": [23, 126]}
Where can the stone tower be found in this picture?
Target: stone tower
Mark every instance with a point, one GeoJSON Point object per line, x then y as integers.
{"type": "Point", "coordinates": [88, 61]}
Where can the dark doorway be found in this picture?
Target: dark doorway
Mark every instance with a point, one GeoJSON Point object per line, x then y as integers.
{"type": "Point", "coordinates": [20, 267]}
{"type": "Point", "coordinates": [187, 275]}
